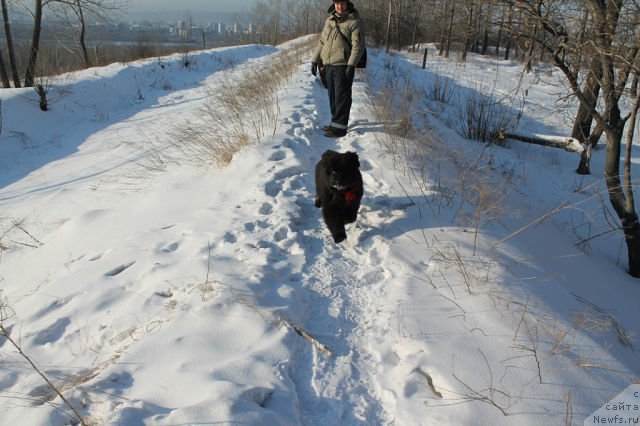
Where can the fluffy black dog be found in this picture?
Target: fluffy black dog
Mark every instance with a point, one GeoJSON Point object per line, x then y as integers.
{"type": "Point", "coordinates": [338, 190]}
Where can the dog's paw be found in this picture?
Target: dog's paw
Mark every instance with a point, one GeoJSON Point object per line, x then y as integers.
{"type": "Point", "coordinates": [350, 218]}
{"type": "Point", "coordinates": [339, 237]}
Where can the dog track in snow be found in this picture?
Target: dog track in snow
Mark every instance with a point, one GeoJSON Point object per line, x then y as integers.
{"type": "Point", "coordinates": [325, 282]}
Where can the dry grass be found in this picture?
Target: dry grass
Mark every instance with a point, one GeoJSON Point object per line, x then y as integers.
{"type": "Point", "coordinates": [238, 113]}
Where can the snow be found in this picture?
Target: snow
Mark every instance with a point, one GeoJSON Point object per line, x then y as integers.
{"type": "Point", "coordinates": [180, 292]}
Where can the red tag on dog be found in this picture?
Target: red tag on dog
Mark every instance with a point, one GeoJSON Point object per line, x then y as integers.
{"type": "Point", "coordinates": [350, 196]}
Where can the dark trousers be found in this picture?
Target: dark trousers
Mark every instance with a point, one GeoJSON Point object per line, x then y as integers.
{"type": "Point", "coordinates": [339, 88]}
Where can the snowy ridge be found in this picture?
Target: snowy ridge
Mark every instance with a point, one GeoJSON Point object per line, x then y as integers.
{"type": "Point", "coordinates": [189, 295]}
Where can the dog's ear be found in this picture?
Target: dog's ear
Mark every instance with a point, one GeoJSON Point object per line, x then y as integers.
{"type": "Point", "coordinates": [353, 159]}
{"type": "Point", "coordinates": [328, 156]}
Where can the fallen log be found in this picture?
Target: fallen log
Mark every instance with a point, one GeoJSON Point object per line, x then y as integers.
{"type": "Point", "coordinates": [567, 143]}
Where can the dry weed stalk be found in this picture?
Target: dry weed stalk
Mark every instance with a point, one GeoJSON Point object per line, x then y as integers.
{"type": "Point", "coordinates": [565, 205]}
{"type": "Point", "coordinates": [568, 416]}
{"type": "Point", "coordinates": [532, 342]}
{"type": "Point", "coordinates": [604, 321]}
{"type": "Point", "coordinates": [9, 238]}
{"type": "Point", "coordinates": [6, 313]}
{"type": "Point", "coordinates": [491, 395]}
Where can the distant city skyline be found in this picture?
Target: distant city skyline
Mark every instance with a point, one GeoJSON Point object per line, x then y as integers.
{"type": "Point", "coordinates": [226, 6]}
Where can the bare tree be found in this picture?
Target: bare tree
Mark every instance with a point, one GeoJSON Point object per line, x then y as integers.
{"type": "Point", "coordinates": [510, 31]}
{"type": "Point", "coordinates": [30, 73]}
{"type": "Point", "coordinates": [275, 21]}
{"type": "Point", "coordinates": [388, 42]}
{"type": "Point", "coordinates": [448, 30]}
{"type": "Point", "coordinates": [79, 7]}
{"type": "Point", "coordinates": [469, 30]}
{"type": "Point", "coordinates": [615, 43]}
{"type": "Point", "coordinates": [81, 10]}
{"type": "Point", "coordinates": [417, 17]}
{"type": "Point", "coordinates": [10, 49]}
{"type": "Point", "coordinates": [3, 73]}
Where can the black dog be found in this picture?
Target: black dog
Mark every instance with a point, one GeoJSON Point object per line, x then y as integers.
{"type": "Point", "coordinates": [338, 190]}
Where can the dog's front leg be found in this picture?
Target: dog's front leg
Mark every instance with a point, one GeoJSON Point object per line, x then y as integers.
{"type": "Point", "coordinates": [351, 212]}
{"type": "Point", "coordinates": [333, 220]}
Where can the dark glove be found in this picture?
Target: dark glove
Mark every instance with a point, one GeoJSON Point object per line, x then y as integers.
{"type": "Point", "coordinates": [351, 71]}
{"type": "Point", "coordinates": [314, 68]}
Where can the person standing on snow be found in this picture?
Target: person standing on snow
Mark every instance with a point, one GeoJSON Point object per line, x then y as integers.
{"type": "Point", "coordinates": [339, 50]}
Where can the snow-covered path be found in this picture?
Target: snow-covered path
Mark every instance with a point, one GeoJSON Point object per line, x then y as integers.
{"type": "Point", "coordinates": [306, 280]}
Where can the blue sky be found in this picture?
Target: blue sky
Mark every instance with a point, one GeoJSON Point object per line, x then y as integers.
{"type": "Point", "coordinates": [200, 5]}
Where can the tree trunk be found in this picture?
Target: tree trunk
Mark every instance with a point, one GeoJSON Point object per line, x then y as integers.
{"type": "Point", "coordinates": [507, 48]}
{"type": "Point", "coordinates": [30, 74]}
{"type": "Point", "coordinates": [468, 33]}
{"type": "Point", "coordinates": [530, 46]}
{"type": "Point", "coordinates": [630, 222]}
{"type": "Point", "coordinates": [584, 120]}
{"type": "Point", "coordinates": [7, 33]}
{"type": "Point", "coordinates": [620, 199]}
{"type": "Point", "coordinates": [568, 144]}
{"type": "Point", "coordinates": [276, 22]}
{"type": "Point", "coordinates": [443, 28]}
{"type": "Point", "coordinates": [83, 31]}
{"type": "Point", "coordinates": [3, 73]}
{"type": "Point", "coordinates": [415, 24]}
{"type": "Point", "coordinates": [500, 28]}
{"type": "Point", "coordinates": [581, 39]}
{"type": "Point", "coordinates": [450, 30]}
{"type": "Point", "coordinates": [620, 202]}
{"type": "Point", "coordinates": [389, 28]}
{"type": "Point", "coordinates": [487, 27]}
{"type": "Point", "coordinates": [398, 20]}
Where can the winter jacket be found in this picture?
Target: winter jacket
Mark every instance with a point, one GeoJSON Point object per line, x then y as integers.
{"type": "Point", "coordinates": [333, 49]}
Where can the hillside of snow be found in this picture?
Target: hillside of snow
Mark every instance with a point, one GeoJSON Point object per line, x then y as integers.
{"type": "Point", "coordinates": [480, 284]}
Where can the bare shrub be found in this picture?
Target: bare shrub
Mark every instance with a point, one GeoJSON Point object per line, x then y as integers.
{"type": "Point", "coordinates": [441, 89]}
{"type": "Point", "coordinates": [481, 117]}
{"type": "Point", "coordinates": [41, 91]}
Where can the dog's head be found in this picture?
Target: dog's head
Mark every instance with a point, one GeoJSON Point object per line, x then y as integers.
{"type": "Point", "coordinates": [342, 170]}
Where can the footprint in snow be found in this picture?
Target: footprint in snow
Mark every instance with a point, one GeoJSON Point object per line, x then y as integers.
{"type": "Point", "coordinates": [230, 238]}
{"type": "Point", "coordinates": [266, 209]}
{"type": "Point", "coordinates": [365, 166]}
{"type": "Point", "coordinates": [52, 333]}
{"type": "Point", "coordinates": [272, 188]}
{"type": "Point", "coordinates": [96, 257]}
{"type": "Point", "coordinates": [281, 234]}
{"type": "Point", "coordinates": [278, 156]}
{"type": "Point", "coordinates": [118, 270]}
{"type": "Point", "coordinates": [171, 247]}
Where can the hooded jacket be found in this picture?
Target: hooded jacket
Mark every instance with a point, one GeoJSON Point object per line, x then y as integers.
{"type": "Point", "coordinates": [333, 49]}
